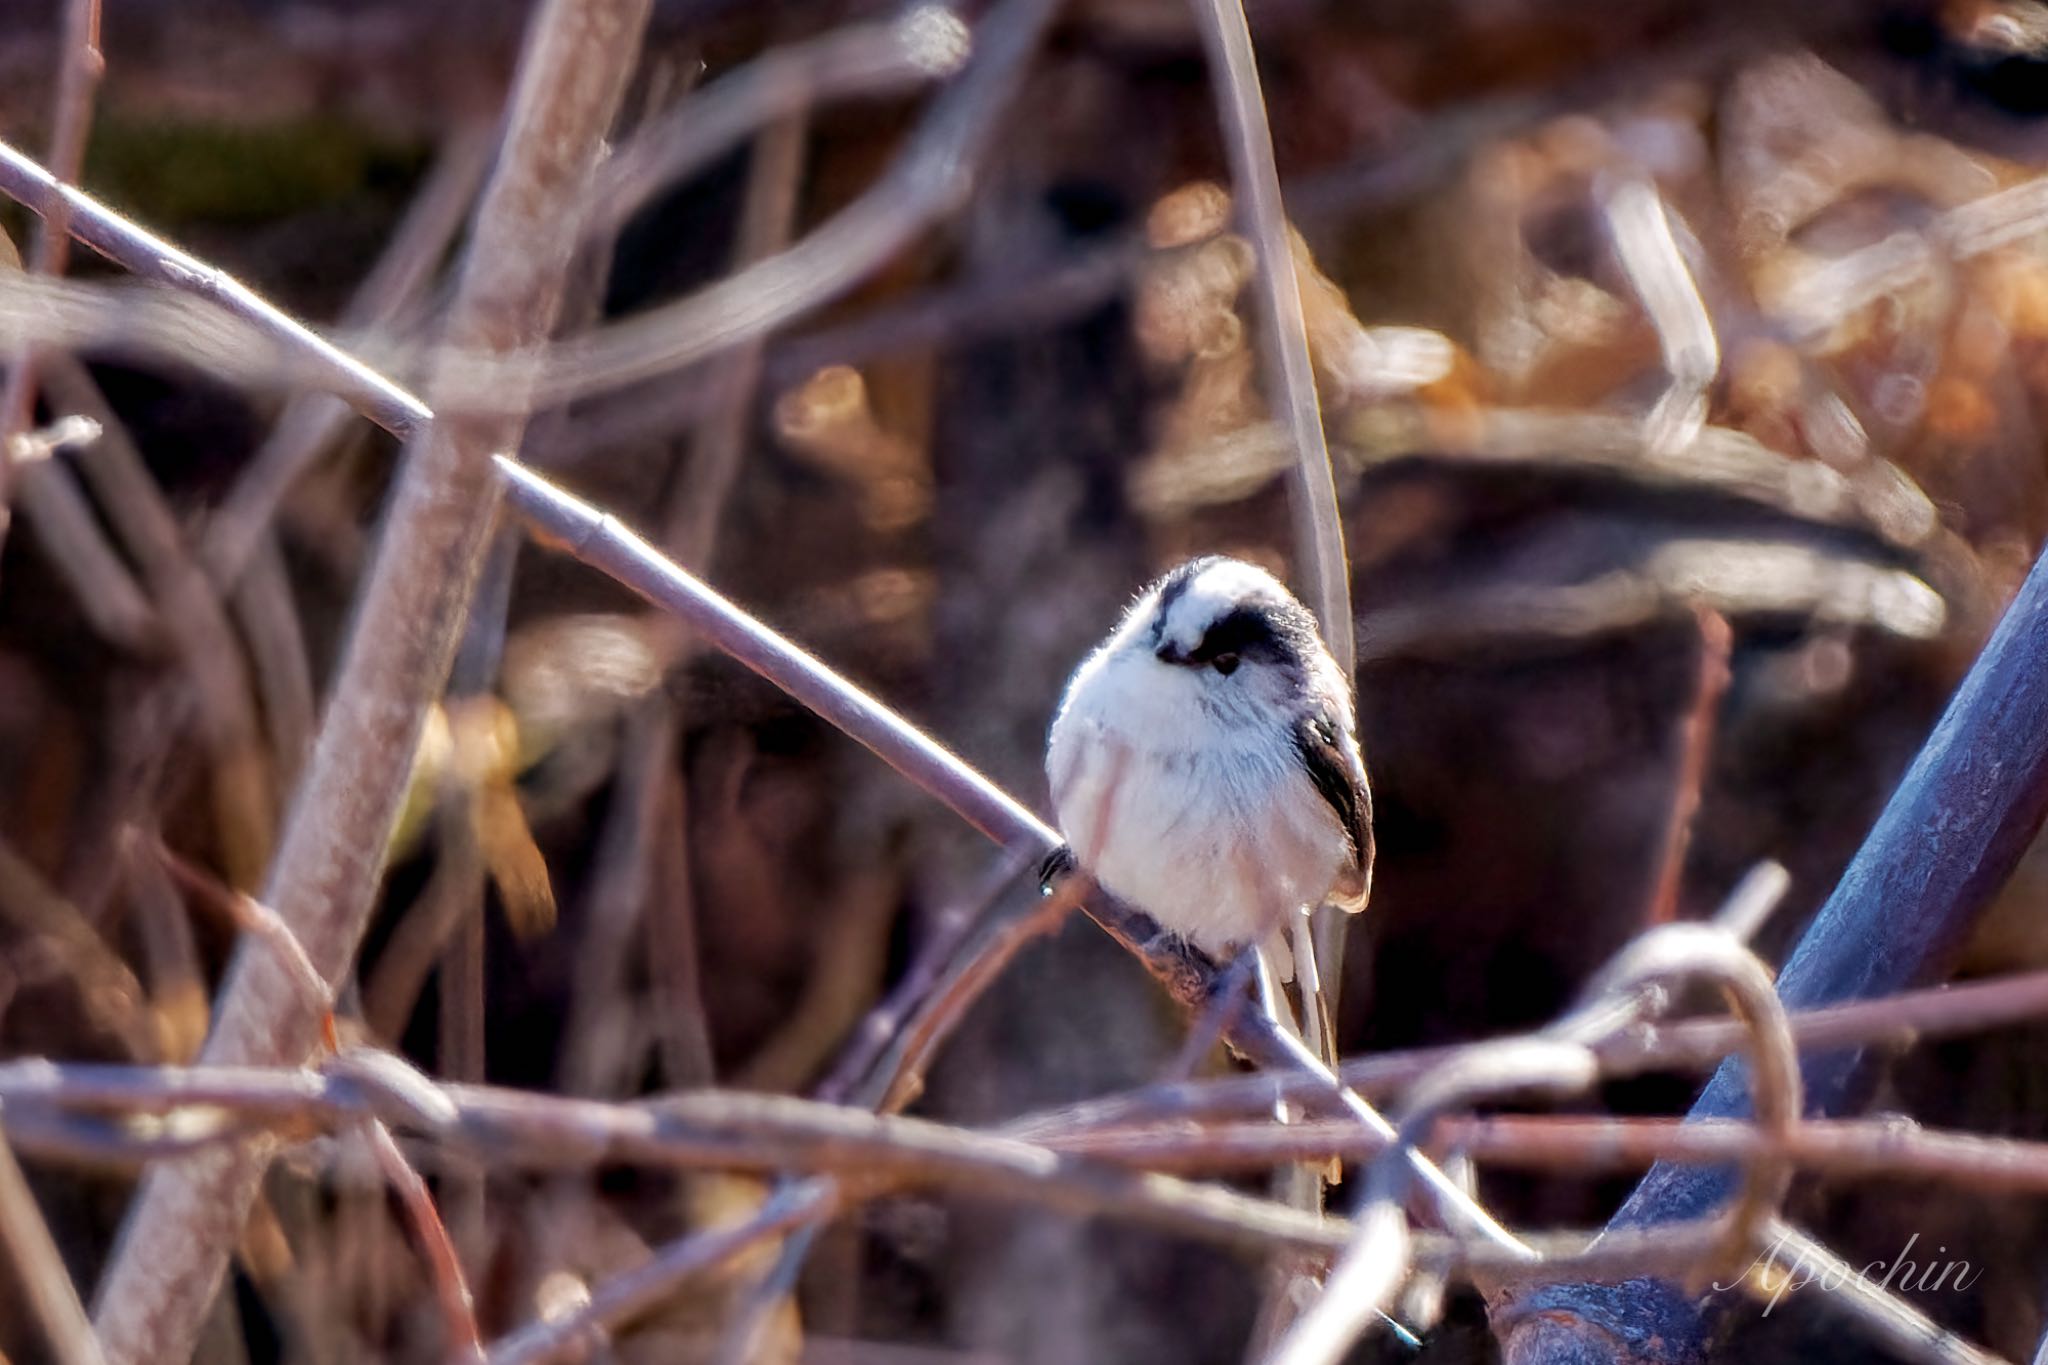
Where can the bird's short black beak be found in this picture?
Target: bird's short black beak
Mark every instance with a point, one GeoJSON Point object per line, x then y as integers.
{"type": "Point", "coordinates": [1169, 654]}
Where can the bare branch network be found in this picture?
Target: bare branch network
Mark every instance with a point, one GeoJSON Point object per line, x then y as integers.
{"type": "Point", "coordinates": [466, 379]}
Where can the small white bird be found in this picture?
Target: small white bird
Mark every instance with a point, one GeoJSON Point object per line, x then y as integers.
{"type": "Point", "coordinates": [1204, 765]}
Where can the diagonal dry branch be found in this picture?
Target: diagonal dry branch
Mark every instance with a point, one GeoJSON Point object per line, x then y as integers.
{"type": "Point", "coordinates": [384, 402]}
{"type": "Point", "coordinates": [605, 542]}
{"type": "Point", "coordinates": [173, 1249]}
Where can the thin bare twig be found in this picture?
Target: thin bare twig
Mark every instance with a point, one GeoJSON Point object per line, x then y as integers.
{"type": "Point", "coordinates": [51, 1295]}
{"type": "Point", "coordinates": [56, 1114]}
{"type": "Point", "coordinates": [881, 1026]}
{"type": "Point", "coordinates": [580, 52]}
{"type": "Point", "coordinates": [1689, 773]}
{"type": "Point", "coordinates": [603, 541]}
{"type": "Point", "coordinates": [1846, 1149]}
{"type": "Point", "coordinates": [444, 1267]}
{"type": "Point", "coordinates": [900, 1084]}
{"type": "Point", "coordinates": [1894, 1021]}
{"type": "Point", "coordinates": [637, 1290]}
{"type": "Point", "coordinates": [81, 66]}
{"type": "Point", "coordinates": [63, 522]}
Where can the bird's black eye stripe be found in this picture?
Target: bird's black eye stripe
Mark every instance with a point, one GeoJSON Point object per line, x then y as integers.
{"type": "Point", "coordinates": [1251, 632]}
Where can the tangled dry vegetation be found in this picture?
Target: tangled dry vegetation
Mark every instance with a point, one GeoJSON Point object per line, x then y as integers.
{"type": "Point", "coordinates": [417, 944]}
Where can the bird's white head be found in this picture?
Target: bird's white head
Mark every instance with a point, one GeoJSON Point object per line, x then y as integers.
{"type": "Point", "coordinates": [1217, 655]}
{"type": "Point", "coordinates": [1228, 637]}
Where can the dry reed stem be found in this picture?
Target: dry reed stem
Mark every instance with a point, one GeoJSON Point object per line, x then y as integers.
{"type": "Point", "coordinates": [1290, 382]}
{"type": "Point", "coordinates": [173, 1248]}
{"type": "Point", "coordinates": [1318, 526]}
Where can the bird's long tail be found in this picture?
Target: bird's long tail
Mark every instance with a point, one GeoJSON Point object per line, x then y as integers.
{"type": "Point", "coordinates": [1318, 1030]}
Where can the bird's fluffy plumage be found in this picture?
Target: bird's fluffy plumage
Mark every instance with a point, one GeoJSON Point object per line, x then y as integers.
{"type": "Point", "coordinates": [1203, 762]}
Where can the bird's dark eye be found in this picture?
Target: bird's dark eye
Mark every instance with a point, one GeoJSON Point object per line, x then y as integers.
{"type": "Point", "coordinates": [1226, 664]}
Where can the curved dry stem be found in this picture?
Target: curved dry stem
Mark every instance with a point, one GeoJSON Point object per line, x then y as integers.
{"type": "Point", "coordinates": [1681, 951]}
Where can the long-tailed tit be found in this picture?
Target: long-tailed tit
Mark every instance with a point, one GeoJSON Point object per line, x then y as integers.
{"type": "Point", "coordinates": [1204, 765]}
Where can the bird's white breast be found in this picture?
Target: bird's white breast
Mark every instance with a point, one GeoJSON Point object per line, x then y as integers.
{"type": "Point", "coordinates": [1203, 819]}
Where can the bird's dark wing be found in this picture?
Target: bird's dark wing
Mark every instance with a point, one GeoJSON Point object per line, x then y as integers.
{"type": "Point", "coordinates": [1334, 767]}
